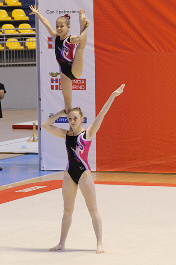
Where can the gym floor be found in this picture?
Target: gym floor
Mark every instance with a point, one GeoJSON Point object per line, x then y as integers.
{"type": "Point", "coordinates": [137, 210]}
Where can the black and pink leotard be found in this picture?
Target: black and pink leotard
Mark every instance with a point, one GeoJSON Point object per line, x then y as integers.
{"type": "Point", "coordinates": [77, 150]}
{"type": "Point", "coordinates": [65, 51]}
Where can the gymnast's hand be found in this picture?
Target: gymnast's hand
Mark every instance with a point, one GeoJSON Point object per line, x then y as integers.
{"type": "Point", "coordinates": [33, 9]}
{"type": "Point", "coordinates": [86, 22]}
{"type": "Point", "coordinates": [118, 91]}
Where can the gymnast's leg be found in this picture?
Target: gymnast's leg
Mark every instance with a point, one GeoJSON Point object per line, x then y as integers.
{"type": "Point", "coordinates": [87, 188]}
{"type": "Point", "coordinates": [77, 66]}
{"type": "Point", "coordinates": [66, 84]}
{"type": "Point", "coordinates": [69, 191]}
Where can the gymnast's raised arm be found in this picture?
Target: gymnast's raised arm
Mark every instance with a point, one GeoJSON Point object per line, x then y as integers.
{"type": "Point", "coordinates": [92, 130]}
{"type": "Point", "coordinates": [54, 130]}
{"type": "Point", "coordinates": [45, 21]}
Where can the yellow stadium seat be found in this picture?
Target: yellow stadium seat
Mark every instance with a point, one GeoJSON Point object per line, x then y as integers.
{"type": "Point", "coordinates": [4, 16]}
{"type": "Point", "coordinates": [1, 48]}
{"type": "Point", "coordinates": [1, 4]}
{"type": "Point", "coordinates": [31, 43]}
{"type": "Point", "coordinates": [18, 14]}
{"type": "Point", "coordinates": [25, 28]}
{"type": "Point", "coordinates": [12, 3]}
{"type": "Point", "coordinates": [9, 29]}
{"type": "Point", "coordinates": [13, 44]}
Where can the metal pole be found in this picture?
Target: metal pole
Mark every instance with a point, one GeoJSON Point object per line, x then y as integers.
{"type": "Point", "coordinates": [39, 93]}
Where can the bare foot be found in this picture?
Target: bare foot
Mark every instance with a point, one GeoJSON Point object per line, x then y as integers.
{"type": "Point", "coordinates": [82, 20]}
{"type": "Point", "coordinates": [100, 249]}
{"type": "Point", "coordinates": [58, 247]}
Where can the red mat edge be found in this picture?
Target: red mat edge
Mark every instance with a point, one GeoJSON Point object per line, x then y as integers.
{"type": "Point", "coordinates": [136, 183]}
{"type": "Point", "coordinates": [21, 126]}
{"type": "Point", "coordinates": [16, 193]}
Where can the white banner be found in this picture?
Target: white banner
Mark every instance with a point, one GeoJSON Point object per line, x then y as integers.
{"type": "Point", "coordinates": [53, 151]}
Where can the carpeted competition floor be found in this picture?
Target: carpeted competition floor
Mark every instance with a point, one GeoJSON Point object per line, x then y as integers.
{"type": "Point", "coordinates": [138, 228]}
{"type": "Point", "coordinates": [138, 213]}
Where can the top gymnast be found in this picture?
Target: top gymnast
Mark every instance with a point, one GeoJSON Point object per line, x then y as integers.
{"type": "Point", "coordinates": [78, 169]}
{"type": "Point", "coordinates": [68, 54]}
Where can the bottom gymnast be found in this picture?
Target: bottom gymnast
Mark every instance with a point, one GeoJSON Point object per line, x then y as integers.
{"type": "Point", "coordinates": [78, 172]}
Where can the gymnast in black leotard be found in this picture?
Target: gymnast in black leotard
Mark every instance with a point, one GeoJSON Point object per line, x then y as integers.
{"type": "Point", "coordinates": [65, 52]}
{"type": "Point", "coordinates": [71, 63]}
{"type": "Point", "coordinates": [77, 172]}
{"type": "Point", "coordinates": [77, 150]}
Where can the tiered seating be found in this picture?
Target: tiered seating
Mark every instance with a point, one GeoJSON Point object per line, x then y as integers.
{"type": "Point", "coordinates": [16, 25]}
{"type": "Point", "coordinates": [31, 43]}
{"type": "Point", "coordinates": [9, 5]}
{"type": "Point", "coordinates": [13, 3]}
{"type": "Point", "coordinates": [4, 16]}
{"type": "Point", "coordinates": [19, 14]}
{"type": "Point", "coordinates": [25, 28]}
{"type": "Point", "coordinates": [9, 29]}
{"type": "Point", "coordinates": [13, 44]}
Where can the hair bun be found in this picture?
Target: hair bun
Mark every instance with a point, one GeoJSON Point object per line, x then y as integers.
{"type": "Point", "coordinates": [67, 16]}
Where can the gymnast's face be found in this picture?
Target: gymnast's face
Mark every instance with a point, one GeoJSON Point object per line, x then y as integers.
{"type": "Point", "coordinates": [62, 28]}
{"type": "Point", "coordinates": [75, 119]}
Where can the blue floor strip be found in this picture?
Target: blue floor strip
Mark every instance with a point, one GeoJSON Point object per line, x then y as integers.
{"type": "Point", "coordinates": [20, 168]}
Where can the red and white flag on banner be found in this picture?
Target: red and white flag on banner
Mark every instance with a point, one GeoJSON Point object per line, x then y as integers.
{"type": "Point", "coordinates": [51, 43]}
{"type": "Point", "coordinates": [54, 83]}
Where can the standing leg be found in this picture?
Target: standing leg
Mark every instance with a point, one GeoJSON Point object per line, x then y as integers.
{"type": "Point", "coordinates": [66, 84]}
{"type": "Point", "coordinates": [77, 66]}
{"type": "Point", "coordinates": [87, 188]}
{"type": "Point", "coordinates": [69, 191]}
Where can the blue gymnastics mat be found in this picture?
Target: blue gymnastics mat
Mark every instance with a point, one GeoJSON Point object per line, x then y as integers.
{"type": "Point", "coordinates": [20, 168]}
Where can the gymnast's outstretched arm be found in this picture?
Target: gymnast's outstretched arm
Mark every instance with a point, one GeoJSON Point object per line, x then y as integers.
{"type": "Point", "coordinates": [92, 130]}
{"type": "Point", "coordinates": [54, 130]}
{"type": "Point", "coordinates": [45, 21]}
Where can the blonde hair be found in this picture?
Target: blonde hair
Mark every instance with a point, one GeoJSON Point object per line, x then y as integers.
{"type": "Point", "coordinates": [66, 17]}
{"type": "Point", "coordinates": [76, 109]}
